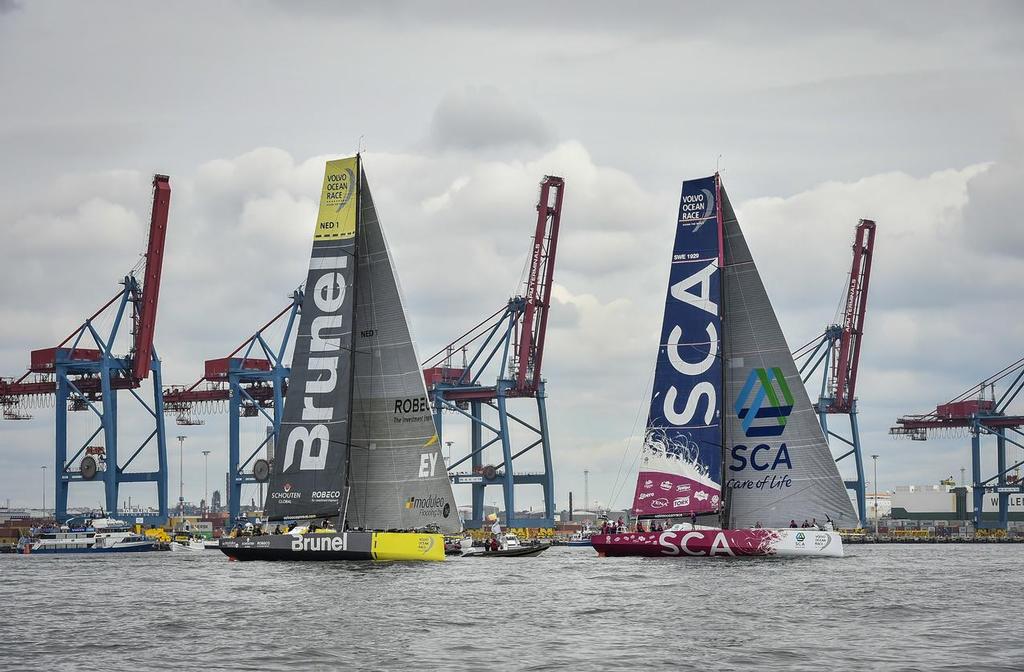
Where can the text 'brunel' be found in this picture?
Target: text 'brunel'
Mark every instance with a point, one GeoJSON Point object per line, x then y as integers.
{"type": "Point", "coordinates": [310, 445]}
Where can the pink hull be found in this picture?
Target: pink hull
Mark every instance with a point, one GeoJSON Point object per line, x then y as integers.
{"type": "Point", "coordinates": [713, 542]}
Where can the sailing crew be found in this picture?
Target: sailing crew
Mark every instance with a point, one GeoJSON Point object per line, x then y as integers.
{"type": "Point", "coordinates": [792, 523]}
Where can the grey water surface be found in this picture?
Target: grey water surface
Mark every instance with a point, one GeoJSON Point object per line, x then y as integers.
{"type": "Point", "coordinates": [947, 607]}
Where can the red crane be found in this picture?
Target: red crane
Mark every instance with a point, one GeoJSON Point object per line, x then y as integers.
{"type": "Point", "coordinates": [839, 349]}
{"type": "Point", "coordinates": [84, 374]}
{"type": "Point", "coordinates": [533, 327]}
{"type": "Point", "coordinates": [509, 345]}
{"type": "Point", "coordinates": [145, 314]}
{"type": "Point", "coordinates": [43, 362]}
{"type": "Point", "coordinates": [844, 362]}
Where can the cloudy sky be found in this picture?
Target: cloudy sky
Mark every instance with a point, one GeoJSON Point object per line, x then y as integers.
{"type": "Point", "coordinates": [911, 114]}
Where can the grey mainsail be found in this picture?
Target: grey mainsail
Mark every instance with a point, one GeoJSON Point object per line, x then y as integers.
{"type": "Point", "coordinates": [778, 463]}
{"type": "Point", "coordinates": [397, 475]}
{"type": "Point", "coordinates": [308, 474]}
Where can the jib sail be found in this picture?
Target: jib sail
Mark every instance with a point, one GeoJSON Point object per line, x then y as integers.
{"type": "Point", "coordinates": [309, 471]}
{"type": "Point", "coordinates": [398, 477]}
{"type": "Point", "coordinates": [681, 459]}
{"type": "Point", "coordinates": [778, 464]}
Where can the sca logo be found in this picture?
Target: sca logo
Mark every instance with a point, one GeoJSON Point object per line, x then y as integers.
{"type": "Point", "coordinates": [770, 402]}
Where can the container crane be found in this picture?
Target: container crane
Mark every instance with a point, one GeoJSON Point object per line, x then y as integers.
{"type": "Point", "coordinates": [80, 377]}
{"type": "Point", "coordinates": [509, 345]}
{"type": "Point", "coordinates": [253, 380]}
{"type": "Point", "coordinates": [836, 354]}
{"type": "Point", "coordinates": [971, 411]}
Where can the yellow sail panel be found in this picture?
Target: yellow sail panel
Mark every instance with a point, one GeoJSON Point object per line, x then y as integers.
{"type": "Point", "coordinates": [337, 218]}
{"type": "Point", "coordinates": [407, 546]}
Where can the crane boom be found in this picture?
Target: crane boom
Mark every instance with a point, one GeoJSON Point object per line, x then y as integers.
{"type": "Point", "coordinates": [539, 280]}
{"type": "Point", "coordinates": [844, 366]}
{"type": "Point", "coordinates": [151, 277]}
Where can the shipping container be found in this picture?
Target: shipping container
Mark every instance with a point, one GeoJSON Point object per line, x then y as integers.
{"type": "Point", "coordinates": [443, 374]}
{"type": "Point", "coordinates": [964, 409]}
{"type": "Point", "coordinates": [217, 369]}
{"type": "Point", "coordinates": [45, 360]}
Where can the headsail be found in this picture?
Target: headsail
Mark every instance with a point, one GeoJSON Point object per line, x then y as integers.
{"type": "Point", "coordinates": [308, 475]}
{"type": "Point", "coordinates": [681, 461]}
{"type": "Point", "coordinates": [397, 474]}
{"type": "Point", "coordinates": [779, 466]}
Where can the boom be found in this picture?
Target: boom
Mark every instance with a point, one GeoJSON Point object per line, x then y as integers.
{"type": "Point", "coordinates": [538, 287]}
{"type": "Point", "coordinates": [844, 366]}
{"type": "Point", "coordinates": [145, 325]}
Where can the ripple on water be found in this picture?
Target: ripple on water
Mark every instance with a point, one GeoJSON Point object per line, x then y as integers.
{"type": "Point", "coordinates": [880, 608]}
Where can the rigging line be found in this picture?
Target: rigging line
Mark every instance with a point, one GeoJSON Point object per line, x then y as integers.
{"type": "Point", "coordinates": [522, 273]}
{"type": "Point", "coordinates": [841, 306]}
{"type": "Point", "coordinates": [616, 488]}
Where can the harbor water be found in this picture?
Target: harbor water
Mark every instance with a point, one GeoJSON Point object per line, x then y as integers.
{"type": "Point", "coordinates": [886, 607]}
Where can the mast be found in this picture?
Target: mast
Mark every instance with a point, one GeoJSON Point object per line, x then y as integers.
{"type": "Point", "coordinates": [723, 512]}
{"type": "Point", "coordinates": [347, 488]}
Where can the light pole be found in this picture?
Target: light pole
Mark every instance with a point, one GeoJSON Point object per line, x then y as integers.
{"type": "Point", "coordinates": [44, 490]}
{"type": "Point", "coordinates": [962, 470]}
{"type": "Point", "coordinates": [206, 471]}
{"type": "Point", "coordinates": [586, 488]}
{"type": "Point", "coordinates": [875, 460]}
{"type": "Point", "coordinates": [448, 460]}
{"type": "Point", "coordinates": [181, 476]}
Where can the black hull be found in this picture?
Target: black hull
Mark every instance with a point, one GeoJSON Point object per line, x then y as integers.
{"type": "Point", "coordinates": [330, 546]}
{"type": "Point", "coordinates": [522, 552]}
{"type": "Point", "coordinates": [316, 548]}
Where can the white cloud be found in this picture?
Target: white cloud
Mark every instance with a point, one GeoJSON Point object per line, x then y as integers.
{"type": "Point", "coordinates": [239, 237]}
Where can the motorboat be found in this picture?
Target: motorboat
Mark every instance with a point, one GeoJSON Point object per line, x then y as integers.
{"type": "Point", "coordinates": [101, 535]}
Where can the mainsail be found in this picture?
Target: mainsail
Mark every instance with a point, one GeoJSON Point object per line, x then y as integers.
{"type": "Point", "coordinates": [309, 473]}
{"type": "Point", "coordinates": [397, 474]}
{"type": "Point", "coordinates": [681, 460]}
{"type": "Point", "coordinates": [779, 466]}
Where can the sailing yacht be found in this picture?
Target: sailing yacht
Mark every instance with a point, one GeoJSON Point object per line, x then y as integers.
{"type": "Point", "coordinates": [358, 466]}
{"type": "Point", "coordinates": [732, 445]}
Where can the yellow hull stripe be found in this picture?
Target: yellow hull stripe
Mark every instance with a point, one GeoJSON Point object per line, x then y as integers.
{"type": "Point", "coordinates": [407, 546]}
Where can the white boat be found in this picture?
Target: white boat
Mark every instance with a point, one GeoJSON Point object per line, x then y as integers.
{"type": "Point", "coordinates": [185, 538]}
{"type": "Point", "coordinates": [581, 537]}
{"type": "Point", "coordinates": [102, 535]}
{"type": "Point", "coordinates": [188, 544]}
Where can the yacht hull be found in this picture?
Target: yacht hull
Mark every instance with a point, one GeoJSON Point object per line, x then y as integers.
{"type": "Point", "coordinates": [319, 547]}
{"type": "Point", "coordinates": [714, 542]}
